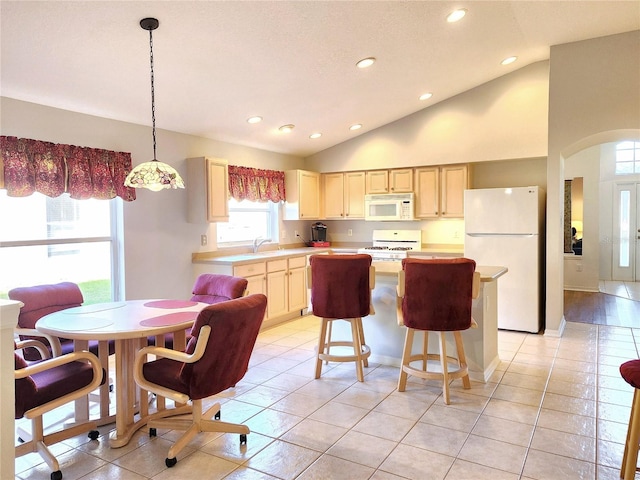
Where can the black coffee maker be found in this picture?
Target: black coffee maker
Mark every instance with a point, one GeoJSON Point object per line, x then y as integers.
{"type": "Point", "coordinates": [318, 233]}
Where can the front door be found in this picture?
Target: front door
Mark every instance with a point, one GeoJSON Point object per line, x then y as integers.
{"type": "Point", "coordinates": [626, 261]}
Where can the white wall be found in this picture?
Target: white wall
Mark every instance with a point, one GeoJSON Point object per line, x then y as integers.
{"type": "Point", "coordinates": [593, 98]}
{"type": "Point", "coordinates": [158, 241]}
{"type": "Point", "coordinates": [502, 119]}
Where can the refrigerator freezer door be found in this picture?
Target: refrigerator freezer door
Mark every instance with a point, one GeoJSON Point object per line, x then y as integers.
{"type": "Point", "coordinates": [502, 210]}
{"type": "Point", "coordinates": [519, 288]}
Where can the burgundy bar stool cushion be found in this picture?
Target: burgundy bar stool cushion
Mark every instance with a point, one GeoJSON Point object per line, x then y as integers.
{"type": "Point", "coordinates": [340, 285]}
{"type": "Point", "coordinates": [433, 304]}
{"type": "Point", "coordinates": [630, 372]}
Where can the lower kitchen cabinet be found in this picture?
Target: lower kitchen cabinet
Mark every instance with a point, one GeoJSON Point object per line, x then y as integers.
{"type": "Point", "coordinates": [282, 280]}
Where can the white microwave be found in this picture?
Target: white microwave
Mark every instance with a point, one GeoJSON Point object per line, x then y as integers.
{"type": "Point", "coordinates": [388, 207]}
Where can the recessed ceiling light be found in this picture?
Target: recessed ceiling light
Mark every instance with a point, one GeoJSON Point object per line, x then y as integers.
{"type": "Point", "coordinates": [366, 62]}
{"type": "Point", "coordinates": [508, 60]}
{"type": "Point", "coordinates": [254, 119]}
{"type": "Point", "coordinates": [456, 15]}
{"type": "Point", "coordinates": [286, 128]}
{"type": "Point", "coordinates": [357, 126]}
{"type": "Point", "coordinates": [315, 135]}
{"type": "Point", "coordinates": [426, 96]}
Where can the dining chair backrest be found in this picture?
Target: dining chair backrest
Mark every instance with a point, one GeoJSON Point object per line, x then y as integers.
{"type": "Point", "coordinates": [235, 325]}
{"type": "Point", "coordinates": [213, 288]}
{"type": "Point", "coordinates": [40, 300]}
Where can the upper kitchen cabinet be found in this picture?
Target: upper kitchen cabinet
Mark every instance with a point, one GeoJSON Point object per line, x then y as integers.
{"type": "Point", "coordinates": [207, 190]}
{"type": "Point", "coordinates": [343, 195]}
{"type": "Point", "coordinates": [303, 195]}
{"type": "Point", "coordinates": [440, 191]}
{"type": "Point", "coordinates": [390, 181]}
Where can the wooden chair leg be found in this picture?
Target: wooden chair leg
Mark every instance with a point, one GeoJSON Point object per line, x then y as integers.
{"type": "Point", "coordinates": [462, 359]}
{"type": "Point", "coordinates": [357, 348]}
{"type": "Point", "coordinates": [321, 346]}
{"type": "Point", "coordinates": [328, 338]}
{"type": "Point", "coordinates": [362, 341]}
{"type": "Point", "coordinates": [406, 359]}
{"type": "Point", "coordinates": [630, 457]}
{"type": "Point", "coordinates": [425, 349]}
{"type": "Point", "coordinates": [445, 369]}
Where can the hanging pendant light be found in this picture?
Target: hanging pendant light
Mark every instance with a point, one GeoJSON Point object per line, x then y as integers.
{"type": "Point", "coordinates": [153, 175]}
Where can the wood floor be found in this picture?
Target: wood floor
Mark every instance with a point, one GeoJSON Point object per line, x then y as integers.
{"type": "Point", "coordinates": [601, 309]}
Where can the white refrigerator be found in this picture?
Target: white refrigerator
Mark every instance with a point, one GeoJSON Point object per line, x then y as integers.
{"type": "Point", "coordinates": [505, 226]}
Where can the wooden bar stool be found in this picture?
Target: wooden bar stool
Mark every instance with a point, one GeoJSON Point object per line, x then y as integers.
{"type": "Point", "coordinates": [630, 372]}
{"type": "Point", "coordinates": [435, 295]}
{"type": "Point", "coordinates": [341, 290]}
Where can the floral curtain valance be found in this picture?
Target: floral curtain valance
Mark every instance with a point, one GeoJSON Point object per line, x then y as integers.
{"type": "Point", "coordinates": [28, 166]}
{"type": "Point", "coordinates": [255, 184]}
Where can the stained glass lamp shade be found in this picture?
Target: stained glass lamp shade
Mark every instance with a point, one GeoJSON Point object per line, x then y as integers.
{"type": "Point", "coordinates": [153, 175]}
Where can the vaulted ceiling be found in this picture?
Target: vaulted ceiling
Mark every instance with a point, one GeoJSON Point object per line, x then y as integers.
{"type": "Point", "coordinates": [217, 63]}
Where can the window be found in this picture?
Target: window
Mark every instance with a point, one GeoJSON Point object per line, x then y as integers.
{"type": "Point", "coordinates": [51, 240]}
{"type": "Point", "coordinates": [247, 221]}
{"type": "Point", "coordinates": [627, 158]}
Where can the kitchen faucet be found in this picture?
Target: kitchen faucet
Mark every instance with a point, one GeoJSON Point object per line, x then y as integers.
{"type": "Point", "coordinates": [257, 242]}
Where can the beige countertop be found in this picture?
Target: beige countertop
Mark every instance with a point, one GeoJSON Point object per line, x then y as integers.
{"type": "Point", "coordinates": [218, 258]}
{"type": "Point", "coordinates": [242, 258]}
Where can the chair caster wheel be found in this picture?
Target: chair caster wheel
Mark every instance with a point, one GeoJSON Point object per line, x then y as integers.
{"type": "Point", "coordinates": [170, 462]}
{"type": "Point", "coordinates": [153, 432]}
{"type": "Point", "coordinates": [217, 415]}
{"type": "Point", "coordinates": [57, 475]}
{"type": "Point", "coordinates": [94, 434]}
{"type": "Point", "coordinates": [243, 439]}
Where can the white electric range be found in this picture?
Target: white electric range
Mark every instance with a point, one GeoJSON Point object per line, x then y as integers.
{"type": "Point", "coordinates": [389, 247]}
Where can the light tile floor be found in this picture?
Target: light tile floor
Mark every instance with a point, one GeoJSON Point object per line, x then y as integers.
{"type": "Point", "coordinates": [630, 290]}
{"type": "Point", "coordinates": [556, 408]}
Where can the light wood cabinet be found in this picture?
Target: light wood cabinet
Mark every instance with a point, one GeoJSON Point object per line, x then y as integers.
{"type": "Point", "coordinates": [255, 273]}
{"type": "Point", "coordinates": [401, 180]}
{"type": "Point", "coordinates": [453, 182]}
{"type": "Point", "coordinates": [303, 195]}
{"type": "Point", "coordinates": [440, 191]}
{"type": "Point", "coordinates": [390, 181]}
{"type": "Point", "coordinates": [333, 195]}
{"type": "Point", "coordinates": [297, 283]}
{"type": "Point", "coordinates": [286, 286]}
{"type": "Point", "coordinates": [277, 288]}
{"type": "Point", "coordinates": [207, 190]}
{"type": "Point", "coordinates": [377, 181]}
{"type": "Point", "coordinates": [343, 195]}
{"type": "Point", "coordinates": [282, 280]}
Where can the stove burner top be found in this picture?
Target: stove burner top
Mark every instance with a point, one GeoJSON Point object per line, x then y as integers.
{"type": "Point", "coordinates": [401, 248]}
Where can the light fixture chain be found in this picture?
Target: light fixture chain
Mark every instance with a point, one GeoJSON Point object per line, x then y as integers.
{"type": "Point", "coordinates": [153, 100]}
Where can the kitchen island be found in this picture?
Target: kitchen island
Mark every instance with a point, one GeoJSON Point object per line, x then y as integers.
{"type": "Point", "coordinates": [280, 274]}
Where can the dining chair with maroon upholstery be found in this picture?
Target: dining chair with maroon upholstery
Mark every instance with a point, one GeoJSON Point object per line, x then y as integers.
{"type": "Point", "coordinates": [435, 295]}
{"type": "Point", "coordinates": [43, 386]}
{"type": "Point", "coordinates": [210, 288]}
{"type": "Point", "coordinates": [40, 300]}
{"type": "Point", "coordinates": [216, 358]}
{"type": "Point", "coordinates": [341, 290]}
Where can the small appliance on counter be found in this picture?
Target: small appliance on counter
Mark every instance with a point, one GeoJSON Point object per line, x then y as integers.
{"type": "Point", "coordinates": [319, 235]}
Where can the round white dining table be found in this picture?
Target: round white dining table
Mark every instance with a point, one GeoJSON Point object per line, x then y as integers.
{"type": "Point", "coordinates": [129, 323]}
